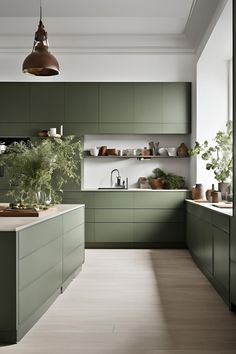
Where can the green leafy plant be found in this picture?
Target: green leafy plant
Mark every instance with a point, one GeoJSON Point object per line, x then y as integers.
{"type": "Point", "coordinates": [169, 180]}
{"type": "Point", "coordinates": [219, 155]}
{"type": "Point", "coordinates": [41, 168]}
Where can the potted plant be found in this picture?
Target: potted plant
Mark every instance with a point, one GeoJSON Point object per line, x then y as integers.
{"type": "Point", "coordinates": [160, 180]}
{"type": "Point", "coordinates": [38, 171]}
{"type": "Point", "coordinates": [218, 156]}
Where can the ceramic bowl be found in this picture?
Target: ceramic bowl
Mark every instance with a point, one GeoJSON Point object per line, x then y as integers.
{"type": "Point", "coordinates": [163, 151]}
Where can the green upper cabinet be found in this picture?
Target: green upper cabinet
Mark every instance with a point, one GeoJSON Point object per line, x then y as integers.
{"type": "Point", "coordinates": [176, 107]}
{"type": "Point", "coordinates": [14, 98]}
{"type": "Point", "coordinates": [81, 102]}
{"type": "Point", "coordinates": [148, 103]}
{"type": "Point", "coordinates": [116, 103]}
{"type": "Point", "coordinates": [47, 102]}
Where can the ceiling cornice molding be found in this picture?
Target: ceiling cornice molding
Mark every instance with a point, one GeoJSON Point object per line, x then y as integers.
{"type": "Point", "coordinates": [103, 44]}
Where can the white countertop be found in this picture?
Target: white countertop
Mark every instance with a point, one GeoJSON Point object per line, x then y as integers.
{"type": "Point", "coordinates": [225, 211]}
{"type": "Point", "coordinates": [132, 190]}
{"type": "Point", "coordinates": [19, 223]}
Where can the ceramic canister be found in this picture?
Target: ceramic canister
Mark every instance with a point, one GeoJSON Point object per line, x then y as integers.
{"type": "Point", "coordinates": [198, 192]}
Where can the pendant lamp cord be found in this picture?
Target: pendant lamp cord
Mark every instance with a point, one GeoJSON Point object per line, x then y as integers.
{"type": "Point", "coordinates": [40, 10]}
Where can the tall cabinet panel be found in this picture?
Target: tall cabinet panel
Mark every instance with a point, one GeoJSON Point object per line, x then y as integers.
{"type": "Point", "coordinates": [47, 103]}
{"type": "Point", "coordinates": [116, 111]}
{"type": "Point", "coordinates": [176, 107]}
{"type": "Point", "coordinates": [148, 103]}
{"type": "Point", "coordinates": [14, 99]}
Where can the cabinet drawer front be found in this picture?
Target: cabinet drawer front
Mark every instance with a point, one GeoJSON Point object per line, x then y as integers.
{"type": "Point", "coordinates": [113, 200]}
{"type": "Point", "coordinates": [159, 232]}
{"type": "Point", "coordinates": [72, 261]}
{"type": "Point", "coordinates": [221, 221]}
{"type": "Point", "coordinates": [200, 212]}
{"type": "Point", "coordinates": [72, 219]}
{"type": "Point", "coordinates": [39, 262]}
{"type": "Point", "coordinates": [158, 215]}
{"type": "Point", "coordinates": [87, 198]}
{"type": "Point", "coordinates": [39, 235]}
{"type": "Point", "coordinates": [89, 232]}
{"type": "Point", "coordinates": [165, 199]}
{"type": "Point", "coordinates": [72, 239]}
{"type": "Point", "coordinates": [89, 215]}
{"type": "Point", "coordinates": [113, 215]}
{"type": "Point", "coordinates": [113, 232]}
{"type": "Point", "coordinates": [32, 297]}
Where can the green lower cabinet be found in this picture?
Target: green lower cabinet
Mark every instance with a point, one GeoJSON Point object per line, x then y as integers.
{"type": "Point", "coordinates": [37, 263]}
{"type": "Point", "coordinates": [162, 234]}
{"type": "Point", "coordinates": [133, 219]}
{"type": "Point", "coordinates": [221, 261]}
{"type": "Point", "coordinates": [210, 247]}
{"type": "Point", "coordinates": [113, 232]}
{"type": "Point", "coordinates": [233, 285]}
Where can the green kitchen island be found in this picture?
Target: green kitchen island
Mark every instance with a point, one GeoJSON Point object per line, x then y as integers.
{"type": "Point", "coordinates": [39, 256]}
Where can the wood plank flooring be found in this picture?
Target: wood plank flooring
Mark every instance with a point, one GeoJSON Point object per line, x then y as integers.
{"type": "Point", "coordinates": [134, 302]}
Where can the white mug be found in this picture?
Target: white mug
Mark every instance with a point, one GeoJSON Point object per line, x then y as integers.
{"type": "Point", "coordinates": [172, 151]}
{"type": "Point", "coordinates": [94, 151]}
{"type": "Point", "coordinates": [53, 131]}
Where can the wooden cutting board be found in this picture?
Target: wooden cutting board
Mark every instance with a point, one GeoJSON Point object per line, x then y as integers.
{"type": "Point", "coordinates": [8, 212]}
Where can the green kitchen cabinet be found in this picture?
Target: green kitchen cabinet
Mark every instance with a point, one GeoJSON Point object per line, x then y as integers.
{"type": "Point", "coordinates": [37, 262]}
{"type": "Point", "coordinates": [221, 261]}
{"type": "Point", "coordinates": [47, 103]}
{"type": "Point", "coordinates": [15, 104]}
{"type": "Point", "coordinates": [207, 236]}
{"type": "Point", "coordinates": [233, 285]}
{"type": "Point", "coordinates": [81, 103]}
{"type": "Point", "coordinates": [148, 103]}
{"type": "Point", "coordinates": [133, 219]}
{"type": "Point", "coordinates": [116, 103]}
{"type": "Point", "coordinates": [177, 104]}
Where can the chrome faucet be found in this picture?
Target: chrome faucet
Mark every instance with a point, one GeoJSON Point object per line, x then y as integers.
{"type": "Point", "coordinates": [118, 177]}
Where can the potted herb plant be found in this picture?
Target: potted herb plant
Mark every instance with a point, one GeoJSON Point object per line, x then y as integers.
{"type": "Point", "coordinates": [38, 171]}
{"type": "Point", "coordinates": [218, 156]}
{"type": "Point", "coordinates": [160, 180]}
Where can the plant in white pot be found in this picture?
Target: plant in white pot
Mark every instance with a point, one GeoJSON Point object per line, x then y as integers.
{"type": "Point", "coordinates": [37, 172]}
{"type": "Point", "coordinates": [218, 156]}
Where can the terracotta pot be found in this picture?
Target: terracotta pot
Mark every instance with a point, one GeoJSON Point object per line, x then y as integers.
{"type": "Point", "coordinates": [157, 183]}
{"type": "Point", "coordinates": [198, 192]}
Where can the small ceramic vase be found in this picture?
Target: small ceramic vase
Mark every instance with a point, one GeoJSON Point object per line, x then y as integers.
{"type": "Point", "coordinates": [182, 150]}
{"type": "Point", "coordinates": [198, 192]}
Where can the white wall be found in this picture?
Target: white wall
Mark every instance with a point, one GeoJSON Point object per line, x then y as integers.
{"type": "Point", "coordinates": [212, 88]}
{"type": "Point", "coordinates": [106, 67]}
{"type": "Point", "coordinates": [97, 171]}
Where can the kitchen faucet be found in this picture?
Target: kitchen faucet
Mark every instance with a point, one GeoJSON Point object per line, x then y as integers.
{"type": "Point", "coordinates": [118, 177]}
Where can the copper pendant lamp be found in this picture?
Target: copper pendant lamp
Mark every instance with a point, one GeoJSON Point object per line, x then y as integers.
{"type": "Point", "coordinates": [40, 61]}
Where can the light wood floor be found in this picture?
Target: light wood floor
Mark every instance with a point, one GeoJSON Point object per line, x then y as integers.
{"type": "Point", "coordinates": [135, 302]}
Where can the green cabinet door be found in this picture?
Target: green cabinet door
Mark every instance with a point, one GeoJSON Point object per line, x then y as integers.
{"type": "Point", "coordinates": [116, 111]}
{"type": "Point", "coordinates": [81, 102]}
{"type": "Point", "coordinates": [47, 103]}
{"type": "Point", "coordinates": [233, 239]}
{"type": "Point", "coordinates": [176, 107]}
{"type": "Point", "coordinates": [14, 99]}
{"type": "Point", "coordinates": [148, 103]}
{"type": "Point", "coordinates": [233, 283]}
{"type": "Point", "coordinates": [221, 261]}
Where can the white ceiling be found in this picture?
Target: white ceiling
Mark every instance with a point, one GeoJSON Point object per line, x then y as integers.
{"type": "Point", "coordinates": [154, 25]}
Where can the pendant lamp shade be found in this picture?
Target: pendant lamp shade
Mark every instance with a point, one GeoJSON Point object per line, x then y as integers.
{"type": "Point", "coordinates": [40, 61]}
